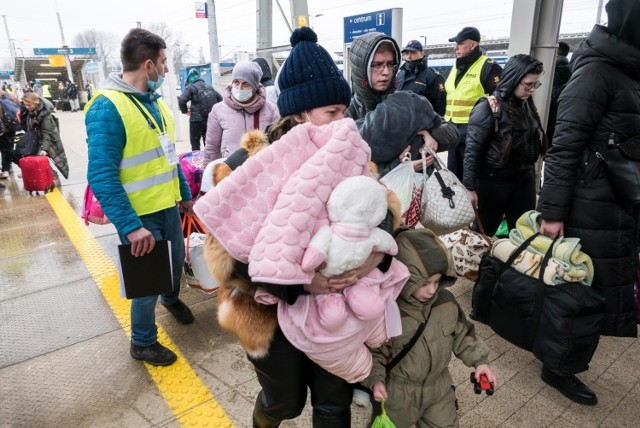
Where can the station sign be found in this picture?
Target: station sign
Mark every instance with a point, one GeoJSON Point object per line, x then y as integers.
{"type": "Point", "coordinates": [64, 51]}
{"type": "Point", "coordinates": [380, 21]}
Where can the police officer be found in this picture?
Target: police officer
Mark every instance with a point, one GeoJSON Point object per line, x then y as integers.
{"type": "Point", "coordinates": [473, 76]}
{"type": "Point", "coordinates": [416, 76]}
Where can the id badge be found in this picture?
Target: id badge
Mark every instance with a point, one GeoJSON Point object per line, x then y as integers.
{"type": "Point", "coordinates": [169, 149]}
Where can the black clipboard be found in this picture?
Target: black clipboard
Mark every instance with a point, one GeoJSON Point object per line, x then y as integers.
{"type": "Point", "coordinates": [147, 275]}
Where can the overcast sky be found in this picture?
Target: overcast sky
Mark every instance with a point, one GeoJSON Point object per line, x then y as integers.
{"type": "Point", "coordinates": [36, 26]}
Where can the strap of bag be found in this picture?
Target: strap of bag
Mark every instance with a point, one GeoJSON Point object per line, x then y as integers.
{"type": "Point", "coordinates": [447, 192]}
{"type": "Point", "coordinates": [256, 120]}
{"type": "Point", "coordinates": [517, 252]}
{"type": "Point", "coordinates": [406, 348]}
{"type": "Point", "coordinates": [493, 104]}
{"type": "Point", "coordinates": [190, 222]}
{"type": "Point", "coordinates": [478, 221]}
{"type": "Point", "coordinates": [537, 308]}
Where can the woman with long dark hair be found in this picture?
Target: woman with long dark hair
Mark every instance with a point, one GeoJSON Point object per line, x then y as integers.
{"type": "Point", "coordinates": [505, 138]}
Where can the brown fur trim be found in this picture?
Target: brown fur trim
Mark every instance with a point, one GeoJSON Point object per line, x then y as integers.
{"type": "Point", "coordinates": [252, 323]}
{"type": "Point", "coordinates": [393, 203]}
{"type": "Point", "coordinates": [374, 170]}
{"type": "Point", "coordinates": [220, 171]}
{"type": "Point", "coordinates": [254, 141]}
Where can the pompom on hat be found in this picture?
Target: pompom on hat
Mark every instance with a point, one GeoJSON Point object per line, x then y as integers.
{"type": "Point", "coordinates": [309, 77]}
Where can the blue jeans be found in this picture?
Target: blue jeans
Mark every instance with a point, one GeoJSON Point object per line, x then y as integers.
{"type": "Point", "coordinates": [163, 224]}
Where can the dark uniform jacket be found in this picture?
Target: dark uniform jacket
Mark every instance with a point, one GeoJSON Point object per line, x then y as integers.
{"type": "Point", "coordinates": [199, 107]}
{"type": "Point", "coordinates": [484, 146]}
{"type": "Point", "coordinates": [416, 76]}
{"type": "Point", "coordinates": [602, 97]}
{"type": "Point", "coordinates": [561, 76]}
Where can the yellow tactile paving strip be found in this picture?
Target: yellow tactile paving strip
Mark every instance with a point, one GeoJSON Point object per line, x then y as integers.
{"type": "Point", "coordinates": [185, 393]}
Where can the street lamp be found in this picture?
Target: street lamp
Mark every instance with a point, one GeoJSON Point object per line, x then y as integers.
{"type": "Point", "coordinates": [424, 41]}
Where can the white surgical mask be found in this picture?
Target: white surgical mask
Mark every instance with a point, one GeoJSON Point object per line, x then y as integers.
{"type": "Point", "coordinates": [242, 95]}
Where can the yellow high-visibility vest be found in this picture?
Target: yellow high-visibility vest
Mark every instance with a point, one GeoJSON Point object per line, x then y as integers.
{"type": "Point", "coordinates": [462, 98]}
{"type": "Point", "coordinates": [150, 182]}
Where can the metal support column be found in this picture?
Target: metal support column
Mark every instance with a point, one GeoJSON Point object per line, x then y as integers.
{"type": "Point", "coordinates": [214, 48]}
{"type": "Point", "coordinates": [12, 48]}
{"type": "Point", "coordinates": [299, 13]}
{"type": "Point", "coordinates": [264, 36]}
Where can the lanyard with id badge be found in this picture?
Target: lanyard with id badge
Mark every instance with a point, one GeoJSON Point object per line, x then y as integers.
{"type": "Point", "coordinates": [165, 141]}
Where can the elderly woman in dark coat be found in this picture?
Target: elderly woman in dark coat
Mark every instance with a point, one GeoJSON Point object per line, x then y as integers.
{"type": "Point", "coordinates": [602, 99]}
{"type": "Point", "coordinates": [501, 152]}
{"type": "Point", "coordinates": [37, 115]}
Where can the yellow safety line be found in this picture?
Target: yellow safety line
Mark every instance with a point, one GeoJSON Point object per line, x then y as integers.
{"type": "Point", "coordinates": [185, 393]}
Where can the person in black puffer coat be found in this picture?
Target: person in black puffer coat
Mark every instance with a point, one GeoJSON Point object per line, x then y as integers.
{"type": "Point", "coordinates": [499, 165]}
{"type": "Point", "coordinates": [601, 98]}
{"type": "Point", "coordinates": [202, 97]}
{"type": "Point", "coordinates": [392, 123]}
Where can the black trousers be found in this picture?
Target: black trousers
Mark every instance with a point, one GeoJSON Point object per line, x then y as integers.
{"type": "Point", "coordinates": [284, 374]}
{"type": "Point", "coordinates": [6, 149]}
{"type": "Point", "coordinates": [455, 156]}
{"type": "Point", "coordinates": [507, 196]}
{"type": "Point", "coordinates": [197, 130]}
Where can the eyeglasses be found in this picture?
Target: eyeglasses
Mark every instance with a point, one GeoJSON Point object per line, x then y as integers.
{"type": "Point", "coordinates": [379, 66]}
{"type": "Point", "coordinates": [530, 86]}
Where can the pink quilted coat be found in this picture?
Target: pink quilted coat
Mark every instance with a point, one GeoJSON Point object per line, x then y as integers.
{"type": "Point", "coordinates": [267, 210]}
{"type": "Point", "coordinates": [343, 351]}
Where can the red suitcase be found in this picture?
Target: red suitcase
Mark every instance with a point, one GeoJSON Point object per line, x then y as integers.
{"type": "Point", "coordinates": [37, 175]}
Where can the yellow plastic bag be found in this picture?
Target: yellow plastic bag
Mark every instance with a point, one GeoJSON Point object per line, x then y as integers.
{"type": "Point", "coordinates": [382, 420]}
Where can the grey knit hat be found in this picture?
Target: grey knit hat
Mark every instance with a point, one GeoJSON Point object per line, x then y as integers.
{"type": "Point", "coordinates": [250, 72]}
{"type": "Point", "coordinates": [309, 78]}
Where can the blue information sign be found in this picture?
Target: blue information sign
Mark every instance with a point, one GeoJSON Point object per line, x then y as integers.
{"type": "Point", "coordinates": [357, 25]}
{"type": "Point", "coordinates": [64, 51]}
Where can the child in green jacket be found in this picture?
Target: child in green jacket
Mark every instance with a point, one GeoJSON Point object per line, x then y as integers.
{"type": "Point", "coordinates": [418, 389]}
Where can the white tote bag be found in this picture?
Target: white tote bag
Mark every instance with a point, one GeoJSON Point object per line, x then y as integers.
{"type": "Point", "coordinates": [401, 180]}
{"type": "Point", "coordinates": [196, 270]}
{"type": "Point", "coordinates": [445, 205]}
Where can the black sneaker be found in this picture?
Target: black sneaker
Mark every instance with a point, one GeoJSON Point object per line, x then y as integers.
{"type": "Point", "coordinates": [570, 386]}
{"type": "Point", "coordinates": [156, 354]}
{"type": "Point", "coordinates": [180, 312]}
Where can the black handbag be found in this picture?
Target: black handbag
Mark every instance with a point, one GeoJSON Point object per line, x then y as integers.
{"type": "Point", "coordinates": [621, 162]}
{"type": "Point", "coordinates": [560, 324]}
{"type": "Point", "coordinates": [28, 145]}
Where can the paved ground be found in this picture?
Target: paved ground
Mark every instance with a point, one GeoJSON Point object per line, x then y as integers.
{"type": "Point", "coordinates": [64, 348]}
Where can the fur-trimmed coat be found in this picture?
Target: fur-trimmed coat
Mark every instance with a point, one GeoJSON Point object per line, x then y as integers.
{"type": "Point", "coordinates": [253, 324]}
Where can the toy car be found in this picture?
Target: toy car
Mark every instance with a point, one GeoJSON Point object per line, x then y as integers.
{"type": "Point", "coordinates": [482, 385]}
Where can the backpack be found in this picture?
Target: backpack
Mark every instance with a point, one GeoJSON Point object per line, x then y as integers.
{"type": "Point", "coordinates": [191, 164]}
{"type": "Point", "coordinates": [11, 115]}
{"type": "Point", "coordinates": [72, 91]}
{"type": "Point", "coordinates": [91, 209]}
{"type": "Point", "coordinates": [207, 98]}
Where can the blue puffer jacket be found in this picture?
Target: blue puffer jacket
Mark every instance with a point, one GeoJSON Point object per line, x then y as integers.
{"type": "Point", "coordinates": [106, 140]}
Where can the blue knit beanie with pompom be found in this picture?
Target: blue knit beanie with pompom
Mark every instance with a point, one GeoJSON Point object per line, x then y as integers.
{"type": "Point", "coordinates": [309, 78]}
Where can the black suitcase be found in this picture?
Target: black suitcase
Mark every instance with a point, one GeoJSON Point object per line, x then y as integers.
{"type": "Point", "coordinates": [66, 105]}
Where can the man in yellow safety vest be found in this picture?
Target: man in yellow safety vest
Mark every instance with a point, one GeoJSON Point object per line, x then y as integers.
{"type": "Point", "coordinates": [473, 76]}
{"type": "Point", "coordinates": [135, 174]}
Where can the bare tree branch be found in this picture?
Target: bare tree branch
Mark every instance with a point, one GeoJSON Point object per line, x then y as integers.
{"type": "Point", "coordinates": [106, 45]}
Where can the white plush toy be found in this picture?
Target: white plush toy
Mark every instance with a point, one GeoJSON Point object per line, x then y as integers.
{"type": "Point", "coordinates": [356, 207]}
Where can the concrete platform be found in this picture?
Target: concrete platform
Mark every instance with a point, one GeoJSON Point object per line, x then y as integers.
{"type": "Point", "coordinates": [64, 358]}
